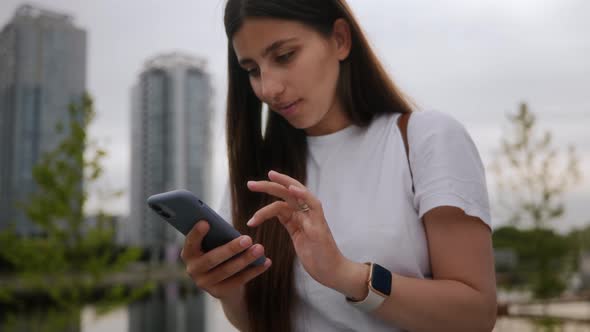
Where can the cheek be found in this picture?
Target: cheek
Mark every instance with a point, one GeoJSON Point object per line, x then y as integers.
{"type": "Point", "coordinates": [323, 78]}
{"type": "Point", "coordinates": [256, 88]}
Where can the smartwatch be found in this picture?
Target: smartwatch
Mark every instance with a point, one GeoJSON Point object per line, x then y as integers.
{"type": "Point", "coordinates": [379, 285]}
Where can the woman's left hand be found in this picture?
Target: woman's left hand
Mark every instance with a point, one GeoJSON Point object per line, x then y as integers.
{"type": "Point", "coordinates": [309, 231]}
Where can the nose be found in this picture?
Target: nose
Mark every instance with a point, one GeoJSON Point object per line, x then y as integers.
{"type": "Point", "coordinates": [272, 87]}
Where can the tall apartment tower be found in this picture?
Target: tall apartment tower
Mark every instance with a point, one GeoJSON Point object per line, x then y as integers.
{"type": "Point", "coordinates": [171, 141]}
{"type": "Point", "coordinates": [42, 71]}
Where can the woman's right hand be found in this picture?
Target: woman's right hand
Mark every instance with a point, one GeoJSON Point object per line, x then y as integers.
{"type": "Point", "coordinates": [214, 271]}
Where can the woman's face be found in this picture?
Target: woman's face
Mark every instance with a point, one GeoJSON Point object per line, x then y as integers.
{"type": "Point", "coordinates": [295, 70]}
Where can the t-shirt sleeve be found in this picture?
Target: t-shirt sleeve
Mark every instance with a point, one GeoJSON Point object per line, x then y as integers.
{"type": "Point", "coordinates": [446, 166]}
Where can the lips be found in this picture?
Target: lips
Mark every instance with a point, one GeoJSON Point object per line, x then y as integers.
{"type": "Point", "coordinates": [280, 107]}
{"type": "Point", "coordinates": [287, 109]}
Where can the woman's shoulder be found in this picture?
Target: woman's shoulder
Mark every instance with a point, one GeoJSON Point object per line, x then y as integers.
{"type": "Point", "coordinates": [422, 120]}
{"type": "Point", "coordinates": [434, 121]}
{"type": "Point", "coordinates": [423, 125]}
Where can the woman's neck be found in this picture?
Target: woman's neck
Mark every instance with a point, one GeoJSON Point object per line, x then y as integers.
{"type": "Point", "coordinates": [334, 120]}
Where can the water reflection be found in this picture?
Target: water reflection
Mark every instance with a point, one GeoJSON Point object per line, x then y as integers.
{"type": "Point", "coordinates": [181, 307]}
{"type": "Point", "coordinates": [527, 325]}
{"type": "Point", "coordinates": [176, 306]}
{"type": "Point", "coordinates": [173, 307]}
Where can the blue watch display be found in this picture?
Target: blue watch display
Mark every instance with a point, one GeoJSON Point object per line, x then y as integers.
{"type": "Point", "coordinates": [381, 279]}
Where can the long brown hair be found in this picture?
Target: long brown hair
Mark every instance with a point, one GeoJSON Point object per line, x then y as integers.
{"type": "Point", "coordinates": [365, 90]}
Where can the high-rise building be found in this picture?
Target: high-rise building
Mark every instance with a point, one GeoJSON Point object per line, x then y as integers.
{"type": "Point", "coordinates": [42, 71]}
{"type": "Point", "coordinates": [171, 141]}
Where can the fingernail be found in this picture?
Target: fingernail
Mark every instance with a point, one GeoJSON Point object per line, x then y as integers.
{"type": "Point", "coordinates": [250, 222]}
{"type": "Point", "coordinates": [250, 183]}
{"type": "Point", "coordinates": [245, 242]}
{"type": "Point", "coordinates": [202, 226]}
{"type": "Point", "coordinates": [267, 263]}
{"type": "Point", "coordinates": [257, 251]}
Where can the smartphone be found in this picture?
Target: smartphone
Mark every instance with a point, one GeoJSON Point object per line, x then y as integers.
{"type": "Point", "coordinates": [182, 209]}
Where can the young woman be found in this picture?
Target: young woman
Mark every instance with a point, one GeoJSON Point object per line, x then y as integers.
{"type": "Point", "coordinates": [362, 236]}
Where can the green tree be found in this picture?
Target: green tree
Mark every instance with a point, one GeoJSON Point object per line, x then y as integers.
{"type": "Point", "coordinates": [545, 258]}
{"type": "Point", "coordinates": [70, 259]}
{"type": "Point", "coordinates": [532, 177]}
{"type": "Point", "coordinates": [580, 240]}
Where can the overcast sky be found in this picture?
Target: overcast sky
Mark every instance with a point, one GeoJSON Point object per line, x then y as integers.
{"type": "Point", "coordinates": [476, 60]}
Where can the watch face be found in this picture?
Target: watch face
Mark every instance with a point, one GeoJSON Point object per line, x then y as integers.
{"type": "Point", "coordinates": [381, 279]}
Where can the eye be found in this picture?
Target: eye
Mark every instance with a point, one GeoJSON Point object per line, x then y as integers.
{"type": "Point", "coordinates": [285, 57]}
{"type": "Point", "coordinates": [255, 72]}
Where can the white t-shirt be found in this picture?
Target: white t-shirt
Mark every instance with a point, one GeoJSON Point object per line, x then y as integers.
{"type": "Point", "coordinates": [362, 178]}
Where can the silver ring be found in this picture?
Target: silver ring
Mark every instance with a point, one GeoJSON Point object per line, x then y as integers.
{"type": "Point", "coordinates": [303, 207]}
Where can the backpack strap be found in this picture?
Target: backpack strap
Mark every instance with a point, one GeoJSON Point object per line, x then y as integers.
{"type": "Point", "coordinates": [402, 123]}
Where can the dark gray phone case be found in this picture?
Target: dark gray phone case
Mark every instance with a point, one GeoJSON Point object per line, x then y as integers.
{"type": "Point", "coordinates": [182, 209]}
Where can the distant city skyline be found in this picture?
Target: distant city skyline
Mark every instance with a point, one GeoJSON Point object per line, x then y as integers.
{"type": "Point", "coordinates": [42, 71]}
{"type": "Point", "coordinates": [474, 60]}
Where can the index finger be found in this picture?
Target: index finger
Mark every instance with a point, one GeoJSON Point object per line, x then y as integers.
{"type": "Point", "coordinates": [223, 253]}
{"type": "Point", "coordinates": [192, 242]}
{"type": "Point", "coordinates": [271, 188]}
{"type": "Point", "coordinates": [284, 179]}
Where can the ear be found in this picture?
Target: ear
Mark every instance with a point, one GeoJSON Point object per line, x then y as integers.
{"type": "Point", "coordinates": [342, 37]}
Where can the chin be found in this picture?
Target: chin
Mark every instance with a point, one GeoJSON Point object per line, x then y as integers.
{"type": "Point", "coordinates": [302, 124]}
{"type": "Point", "coordinates": [298, 125]}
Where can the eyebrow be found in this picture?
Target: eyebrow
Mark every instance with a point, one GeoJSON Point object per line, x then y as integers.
{"type": "Point", "coordinates": [274, 46]}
